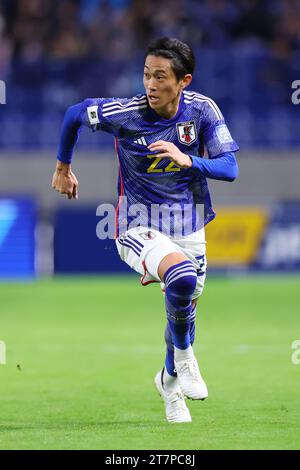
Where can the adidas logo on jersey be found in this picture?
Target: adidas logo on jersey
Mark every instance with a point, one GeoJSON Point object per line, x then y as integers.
{"type": "Point", "coordinates": [141, 141]}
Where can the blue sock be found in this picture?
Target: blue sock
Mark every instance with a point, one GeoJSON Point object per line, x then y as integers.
{"type": "Point", "coordinates": [169, 361]}
{"type": "Point", "coordinates": [193, 325]}
{"type": "Point", "coordinates": [180, 281]}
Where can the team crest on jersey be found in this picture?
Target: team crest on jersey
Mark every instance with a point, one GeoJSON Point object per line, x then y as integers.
{"type": "Point", "coordinates": [186, 132]}
{"type": "Point", "coordinates": [147, 235]}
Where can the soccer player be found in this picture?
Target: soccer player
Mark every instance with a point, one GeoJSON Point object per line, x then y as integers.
{"type": "Point", "coordinates": [162, 137]}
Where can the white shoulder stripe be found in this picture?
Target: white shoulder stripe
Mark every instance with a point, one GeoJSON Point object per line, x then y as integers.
{"type": "Point", "coordinates": [127, 110]}
{"type": "Point", "coordinates": [135, 100]}
{"type": "Point", "coordinates": [198, 97]}
{"type": "Point", "coordinates": [215, 109]}
{"type": "Point", "coordinates": [117, 106]}
{"type": "Point", "coordinates": [192, 96]}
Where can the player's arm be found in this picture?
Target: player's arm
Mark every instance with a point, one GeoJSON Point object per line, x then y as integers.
{"type": "Point", "coordinates": [220, 146]}
{"type": "Point", "coordinates": [88, 113]}
{"type": "Point", "coordinates": [64, 180]}
{"type": "Point", "coordinates": [221, 167]}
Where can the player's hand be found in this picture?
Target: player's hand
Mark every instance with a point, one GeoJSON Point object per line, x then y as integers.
{"type": "Point", "coordinates": [171, 152]}
{"type": "Point", "coordinates": [64, 180]}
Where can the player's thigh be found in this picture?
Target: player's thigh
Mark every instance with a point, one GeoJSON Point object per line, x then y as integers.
{"type": "Point", "coordinates": [194, 247]}
{"type": "Point", "coordinates": [168, 261]}
{"type": "Point", "coordinates": [143, 250]}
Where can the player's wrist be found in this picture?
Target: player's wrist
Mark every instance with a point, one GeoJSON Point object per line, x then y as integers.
{"type": "Point", "coordinates": [191, 161]}
{"type": "Point", "coordinates": [188, 161]}
{"type": "Point", "coordinates": [62, 167]}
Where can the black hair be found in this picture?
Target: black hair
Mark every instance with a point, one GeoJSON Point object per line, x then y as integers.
{"type": "Point", "coordinates": [182, 56]}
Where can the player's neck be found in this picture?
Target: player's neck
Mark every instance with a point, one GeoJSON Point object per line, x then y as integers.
{"type": "Point", "coordinates": [170, 110]}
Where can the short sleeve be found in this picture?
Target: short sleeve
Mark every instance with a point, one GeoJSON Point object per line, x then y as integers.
{"type": "Point", "coordinates": [215, 134]}
{"type": "Point", "coordinates": [111, 114]}
{"type": "Point", "coordinates": [92, 116]}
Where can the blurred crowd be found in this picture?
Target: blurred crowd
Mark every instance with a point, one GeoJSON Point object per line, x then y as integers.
{"type": "Point", "coordinates": [34, 29]}
{"type": "Point", "coordinates": [57, 52]}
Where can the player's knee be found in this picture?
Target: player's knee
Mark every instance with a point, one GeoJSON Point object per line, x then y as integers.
{"type": "Point", "coordinates": [180, 280]}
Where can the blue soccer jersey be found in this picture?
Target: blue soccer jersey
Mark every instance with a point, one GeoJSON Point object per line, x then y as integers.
{"type": "Point", "coordinates": [153, 190]}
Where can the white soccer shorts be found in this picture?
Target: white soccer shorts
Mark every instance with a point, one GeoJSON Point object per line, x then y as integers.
{"type": "Point", "coordinates": [143, 250]}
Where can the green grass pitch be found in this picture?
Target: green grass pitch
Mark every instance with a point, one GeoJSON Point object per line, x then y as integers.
{"type": "Point", "coordinates": [82, 355]}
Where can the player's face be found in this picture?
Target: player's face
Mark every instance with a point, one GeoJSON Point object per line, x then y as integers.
{"type": "Point", "coordinates": [162, 87]}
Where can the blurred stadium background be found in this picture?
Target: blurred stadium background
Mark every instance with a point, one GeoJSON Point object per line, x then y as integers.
{"type": "Point", "coordinates": [56, 53]}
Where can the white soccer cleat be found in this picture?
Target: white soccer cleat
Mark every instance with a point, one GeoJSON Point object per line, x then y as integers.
{"type": "Point", "coordinates": [176, 409]}
{"type": "Point", "coordinates": [190, 381]}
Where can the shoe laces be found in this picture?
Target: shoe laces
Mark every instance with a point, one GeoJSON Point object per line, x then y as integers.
{"type": "Point", "coordinates": [190, 369]}
{"type": "Point", "coordinates": [176, 397]}
{"type": "Point", "coordinates": [177, 401]}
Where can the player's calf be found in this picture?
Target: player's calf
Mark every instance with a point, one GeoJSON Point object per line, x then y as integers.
{"type": "Point", "coordinates": [169, 361]}
{"type": "Point", "coordinates": [180, 281]}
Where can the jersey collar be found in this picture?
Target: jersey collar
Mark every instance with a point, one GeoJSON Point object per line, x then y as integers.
{"type": "Point", "coordinates": [156, 118]}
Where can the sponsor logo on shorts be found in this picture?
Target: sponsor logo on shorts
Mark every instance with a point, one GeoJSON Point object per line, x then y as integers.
{"type": "Point", "coordinates": [147, 235]}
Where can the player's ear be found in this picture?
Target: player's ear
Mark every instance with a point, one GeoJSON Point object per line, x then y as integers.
{"type": "Point", "coordinates": [186, 80]}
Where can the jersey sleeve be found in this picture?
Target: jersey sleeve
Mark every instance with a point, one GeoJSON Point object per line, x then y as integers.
{"type": "Point", "coordinates": [110, 114]}
{"type": "Point", "coordinates": [93, 115]}
{"type": "Point", "coordinates": [106, 114]}
{"type": "Point", "coordinates": [214, 131]}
